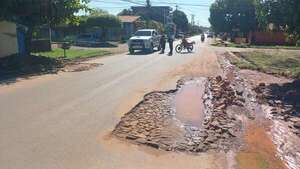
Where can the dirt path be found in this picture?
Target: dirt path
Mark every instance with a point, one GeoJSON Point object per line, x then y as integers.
{"type": "Point", "coordinates": [259, 149]}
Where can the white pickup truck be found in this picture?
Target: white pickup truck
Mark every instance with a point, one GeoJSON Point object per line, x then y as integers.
{"type": "Point", "coordinates": [145, 40]}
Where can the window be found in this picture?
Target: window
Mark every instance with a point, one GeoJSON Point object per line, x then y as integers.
{"type": "Point", "coordinates": [143, 33]}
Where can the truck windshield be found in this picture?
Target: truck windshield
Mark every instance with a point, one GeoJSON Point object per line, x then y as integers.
{"type": "Point", "coordinates": [143, 33]}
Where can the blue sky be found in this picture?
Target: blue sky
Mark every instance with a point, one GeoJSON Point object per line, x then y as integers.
{"type": "Point", "coordinates": [200, 8]}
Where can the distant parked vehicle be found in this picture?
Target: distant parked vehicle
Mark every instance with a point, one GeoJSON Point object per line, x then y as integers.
{"type": "Point", "coordinates": [210, 35]}
{"type": "Point", "coordinates": [145, 40]}
{"type": "Point", "coordinates": [89, 40]}
{"type": "Point", "coordinates": [179, 35]}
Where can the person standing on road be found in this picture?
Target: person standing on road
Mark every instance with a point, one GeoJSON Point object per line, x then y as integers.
{"type": "Point", "coordinates": [171, 36]}
{"type": "Point", "coordinates": [171, 41]}
{"type": "Point", "coordinates": [162, 44]}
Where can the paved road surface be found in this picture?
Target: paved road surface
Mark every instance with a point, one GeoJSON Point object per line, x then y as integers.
{"type": "Point", "coordinates": [63, 121]}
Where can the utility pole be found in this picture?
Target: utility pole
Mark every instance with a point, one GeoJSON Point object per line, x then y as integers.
{"type": "Point", "coordinates": [50, 14]}
{"type": "Point", "coordinates": [148, 3]}
{"type": "Point", "coordinates": [193, 19]}
{"type": "Point", "coordinates": [148, 12]}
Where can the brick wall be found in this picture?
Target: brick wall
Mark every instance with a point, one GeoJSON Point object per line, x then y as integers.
{"type": "Point", "coordinates": [270, 38]}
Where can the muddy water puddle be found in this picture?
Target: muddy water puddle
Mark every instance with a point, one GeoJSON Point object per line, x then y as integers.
{"type": "Point", "coordinates": [189, 104]}
{"type": "Point", "coordinates": [259, 151]}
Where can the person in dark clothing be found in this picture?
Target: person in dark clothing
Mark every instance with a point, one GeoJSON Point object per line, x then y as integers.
{"type": "Point", "coordinates": [171, 40]}
{"type": "Point", "coordinates": [171, 37]}
{"type": "Point", "coordinates": [162, 44]}
{"type": "Point", "coordinates": [171, 29]}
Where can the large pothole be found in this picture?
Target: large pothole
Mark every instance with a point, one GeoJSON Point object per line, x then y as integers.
{"type": "Point", "coordinates": [194, 117]}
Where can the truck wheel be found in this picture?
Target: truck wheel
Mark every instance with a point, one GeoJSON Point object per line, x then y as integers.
{"type": "Point", "coordinates": [131, 51]}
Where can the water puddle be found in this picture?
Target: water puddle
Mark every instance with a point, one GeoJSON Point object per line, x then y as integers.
{"type": "Point", "coordinates": [189, 102]}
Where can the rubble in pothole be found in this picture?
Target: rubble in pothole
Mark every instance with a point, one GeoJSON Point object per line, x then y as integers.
{"type": "Point", "coordinates": [153, 121]}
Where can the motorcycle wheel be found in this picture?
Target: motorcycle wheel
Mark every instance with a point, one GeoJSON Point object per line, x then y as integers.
{"type": "Point", "coordinates": [190, 48]}
{"type": "Point", "coordinates": [178, 48]}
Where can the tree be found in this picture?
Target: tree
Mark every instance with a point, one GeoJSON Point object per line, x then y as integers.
{"type": "Point", "coordinates": [34, 13]}
{"type": "Point", "coordinates": [230, 15]}
{"type": "Point", "coordinates": [284, 14]}
{"type": "Point", "coordinates": [126, 12]}
{"type": "Point", "coordinates": [181, 21]}
{"type": "Point", "coordinates": [195, 29]}
{"type": "Point", "coordinates": [155, 25]}
{"type": "Point", "coordinates": [104, 22]}
{"type": "Point", "coordinates": [98, 12]}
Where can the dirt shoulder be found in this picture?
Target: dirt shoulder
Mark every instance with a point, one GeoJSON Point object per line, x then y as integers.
{"type": "Point", "coordinates": [275, 131]}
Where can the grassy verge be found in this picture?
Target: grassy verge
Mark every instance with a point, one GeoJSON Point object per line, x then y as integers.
{"type": "Point", "coordinates": [229, 44]}
{"type": "Point", "coordinates": [43, 62]}
{"type": "Point", "coordinates": [219, 43]}
{"type": "Point", "coordinates": [73, 53]}
{"type": "Point", "coordinates": [278, 62]}
{"type": "Point", "coordinates": [275, 47]}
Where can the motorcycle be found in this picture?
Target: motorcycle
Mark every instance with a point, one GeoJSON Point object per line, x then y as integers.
{"type": "Point", "coordinates": [189, 47]}
{"type": "Point", "coordinates": [202, 38]}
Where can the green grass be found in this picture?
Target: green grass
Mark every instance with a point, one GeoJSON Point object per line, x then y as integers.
{"type": "Point", "coordinates": [43, 62]}
{"type": "Point", "coordinates": [69, 38]}
{"type": "Point", "coordinates": [234, 45]}
{"type": "Point", "coordinates": [73, 53]}
{"type": "Point", "coordinates": [277, 62]}
{"type": "Point", "coordinates": [229, 44]}
{"type": "Point", "coordinates": [276, 47]}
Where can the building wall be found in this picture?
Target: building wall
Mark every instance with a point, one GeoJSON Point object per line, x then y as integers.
{"type": "Point", "coordinates": [128, 30]}
{"type": "Point", "coordinates": [8, 39]}
{"type": "Point", "coordinates": [270, 38]}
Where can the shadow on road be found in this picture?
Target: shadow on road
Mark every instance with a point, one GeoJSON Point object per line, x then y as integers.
{"type": "Point", "coordinates": [288, 94]}
{"type": "Point", "coordinates": [14, 67]}
{"type": "Point", "coordinates": [186, 53]}
{"type": "Point", "coordinates": [100, 45]}
{"type": "Point", "coordinates": [142, 53]}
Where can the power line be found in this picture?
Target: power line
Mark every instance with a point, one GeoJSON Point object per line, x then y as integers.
{"type": "Point", "coordinates": [131, 1]}
{"type": "Point", "coordinates": [185, 4]}
{"type": "Point", "coordinates": [161, 2]}
{"type": "Point", "coordinates": [120, 1]}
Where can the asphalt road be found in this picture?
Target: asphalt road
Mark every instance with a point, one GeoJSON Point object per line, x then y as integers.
{"type": "Point", "coordinates": [63, 121]}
